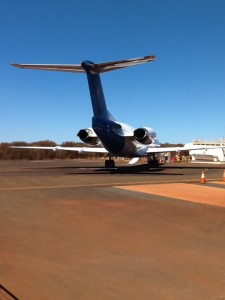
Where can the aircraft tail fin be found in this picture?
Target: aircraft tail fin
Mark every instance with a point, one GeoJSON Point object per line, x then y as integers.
{"type": "Point", "coordinates": [92, 71]}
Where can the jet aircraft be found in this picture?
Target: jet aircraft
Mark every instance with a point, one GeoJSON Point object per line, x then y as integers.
{"type": "Point", "coordinates": [108, 135]}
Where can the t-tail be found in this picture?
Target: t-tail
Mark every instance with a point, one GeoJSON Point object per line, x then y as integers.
{"type": "Point", "coordinates": [96, 92]}
{"type": "Point", "coordinates": [93, 70]}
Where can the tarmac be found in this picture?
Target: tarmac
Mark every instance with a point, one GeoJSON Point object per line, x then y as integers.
{"type": "Point", "coordinates": [75, 230]}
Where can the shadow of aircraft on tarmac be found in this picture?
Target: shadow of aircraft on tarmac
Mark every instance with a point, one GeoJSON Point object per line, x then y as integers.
{"type": "Point", "coordinates": [142, 169]}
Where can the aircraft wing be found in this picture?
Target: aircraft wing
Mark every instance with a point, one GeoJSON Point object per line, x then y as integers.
{"type": "Point", "coordinates": [56, 148]}
{"type": "Point", "coordinates": [184, 148]}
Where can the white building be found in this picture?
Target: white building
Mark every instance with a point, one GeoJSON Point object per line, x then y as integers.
{"type": "Point", "coordinates": [213, 154]}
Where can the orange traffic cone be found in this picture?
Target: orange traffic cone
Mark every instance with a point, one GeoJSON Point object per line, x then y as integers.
{"type": "Point", "coordinates": [223, 179]}
{"type": "Point", "coordinates": [202, 179]}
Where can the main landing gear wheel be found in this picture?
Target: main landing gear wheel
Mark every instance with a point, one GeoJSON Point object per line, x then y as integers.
{"type": "Point", "coordinates": [109, 163]}
{"type": "Point", "coordinates": [153, 162]}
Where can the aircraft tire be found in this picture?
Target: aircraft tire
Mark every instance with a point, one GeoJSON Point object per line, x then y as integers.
{"type": "Point", "coordinates": [153, 163]}
{"type": "Point", "coordinates": [110, 163]}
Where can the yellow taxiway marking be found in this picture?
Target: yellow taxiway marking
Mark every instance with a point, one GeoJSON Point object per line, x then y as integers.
{"type": "Point", "coordinates": [183, 191]}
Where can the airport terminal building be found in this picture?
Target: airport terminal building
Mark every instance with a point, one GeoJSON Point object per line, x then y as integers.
{"type": "Point", "coordinates": [216, 155]}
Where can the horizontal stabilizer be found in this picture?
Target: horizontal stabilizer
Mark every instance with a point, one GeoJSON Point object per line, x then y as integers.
{"type": "Point", "coordinates": [88, 67]}
{"type": "Point", "coordinates": [114, 65]}
{"type": "Point", "coordinates": [62, 68]}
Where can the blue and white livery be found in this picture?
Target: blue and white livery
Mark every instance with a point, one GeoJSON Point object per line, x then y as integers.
{"type": "Point", "coordinates": [111, 137]}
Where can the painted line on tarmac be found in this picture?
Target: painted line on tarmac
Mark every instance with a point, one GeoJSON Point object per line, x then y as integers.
{"type": "Point", "coordinates": [43, 187]}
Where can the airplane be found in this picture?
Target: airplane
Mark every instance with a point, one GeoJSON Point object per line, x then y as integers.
{"type": "Point", "coordinates": [107, 135]}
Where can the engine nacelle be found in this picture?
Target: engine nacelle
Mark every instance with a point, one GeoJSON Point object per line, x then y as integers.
{"type": "Point", "coordinates": [145, 135]}
{"type": "Point", "coordinates": [88, 136]}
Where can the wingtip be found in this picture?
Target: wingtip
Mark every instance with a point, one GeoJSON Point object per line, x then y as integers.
{"type": "Point", "coordinates": [151, 57]}
{"type": "Point", "coordinates": [15, 65]}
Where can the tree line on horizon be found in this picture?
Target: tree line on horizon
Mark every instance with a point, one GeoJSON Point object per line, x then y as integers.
{"type": "Point", "coordinates": [7, 153]}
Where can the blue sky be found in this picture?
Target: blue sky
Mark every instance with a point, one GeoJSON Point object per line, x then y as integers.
{"type": "Point", "coordinates": [181, 94]}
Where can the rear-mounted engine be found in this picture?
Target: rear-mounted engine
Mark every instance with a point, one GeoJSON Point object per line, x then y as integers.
{"type": "Point", "coordinates": [144, 135]}
{"type": "Point", "coordinates": [88, 136]}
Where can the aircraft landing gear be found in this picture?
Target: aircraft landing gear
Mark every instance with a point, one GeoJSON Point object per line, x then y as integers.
{"type": "Point", "coordinates": [153, 162]}
{"type": "Point", "coordinates": [109, 163]}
